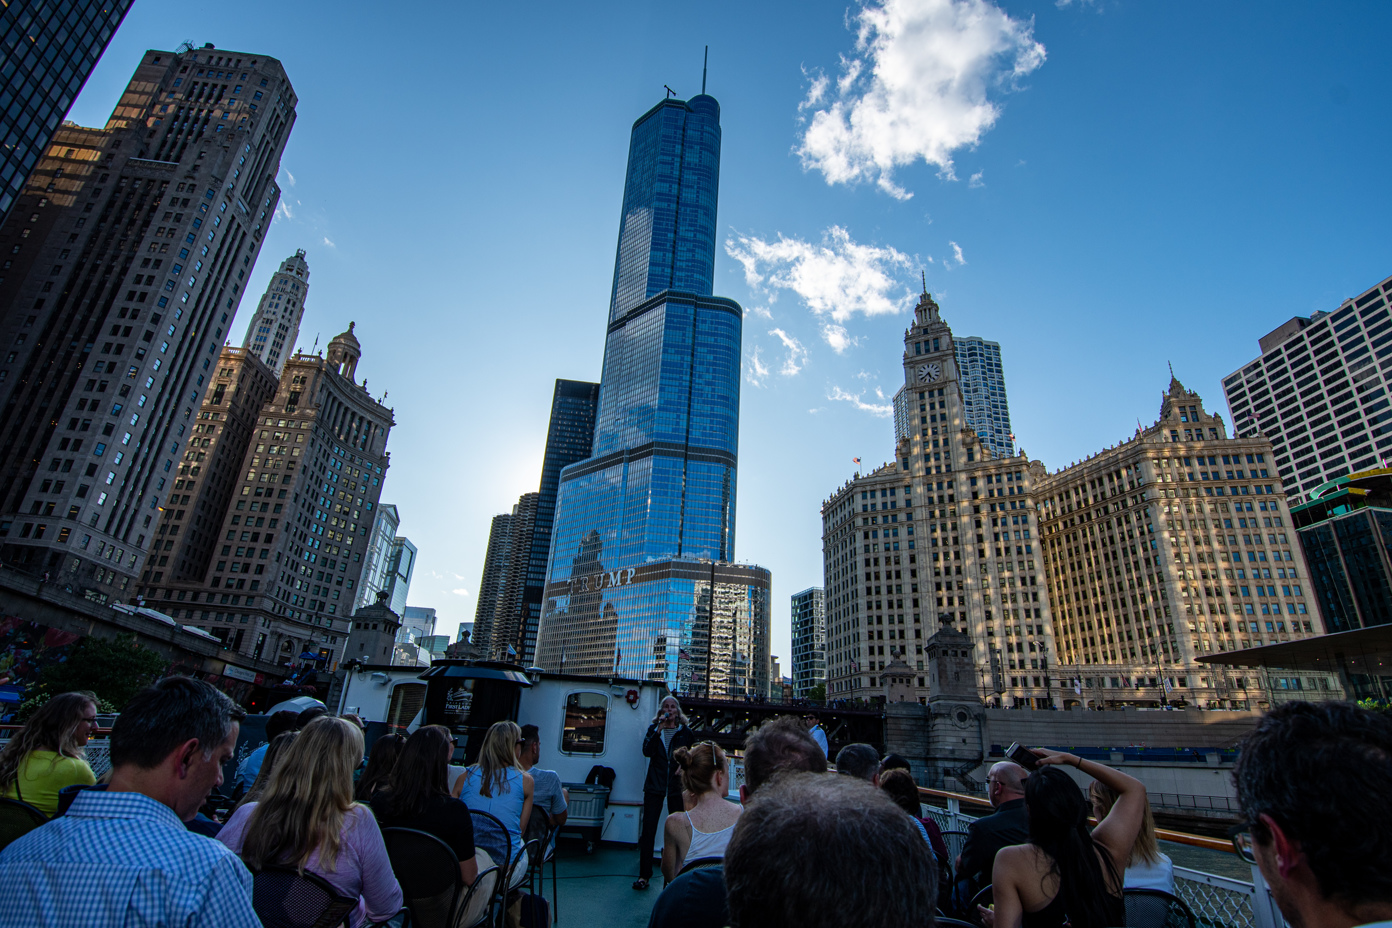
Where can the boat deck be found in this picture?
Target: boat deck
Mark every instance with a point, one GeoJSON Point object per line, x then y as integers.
{"type": "Point", "coordinates": [597, 889]}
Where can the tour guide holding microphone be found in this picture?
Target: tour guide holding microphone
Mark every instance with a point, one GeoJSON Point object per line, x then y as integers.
{"type": "Point", "coordinates": [667, 732]}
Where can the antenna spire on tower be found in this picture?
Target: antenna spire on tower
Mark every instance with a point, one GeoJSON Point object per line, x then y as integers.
{"type": "Point", "coordinates": [704, 62]}
{"type": "Point", "coordinates": [925, 282]}
{"type": "Point", "coordinates": [670, 91]}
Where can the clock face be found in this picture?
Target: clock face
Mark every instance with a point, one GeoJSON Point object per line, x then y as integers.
{"type": "Point", "coordinates": [929, 373]}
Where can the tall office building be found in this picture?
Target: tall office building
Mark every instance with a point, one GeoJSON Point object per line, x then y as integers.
{"type": "Point", "coordinates": [942, 537]}
{"type": "Point", "coordinates": [116, 301]}
{"type": "Point", "coordinates": [984, 405]}
{"type": "Point", "coordinates": [809, 640]}
{"type": "Point", "coordinates": [497, 565]}
{"type": "Point", "coordinates": [288, 559]}
{"type": "Point", "coordinates": [1170, 545]}
{"type": "Point", "coordinates": [210, 468]}
{"type": "Point", "coordinates": [48, 50]}
{"type": "Point", "coordinates": [417, 625]}
{"type": "Point", "coordinates": [376, 574]}
{"type": "Point", "coordinates": [569, 438]}
{"type": "Point", "coordinates": [401, 566]}
{"type": "Point", "coordinates": [499, 618]}
{"type": "Point", "coordinates": [276, 325]}
{"type": "Point", "coordinates": [1319, 392]}
{"type": "Point", "coordinates": [659, 488]}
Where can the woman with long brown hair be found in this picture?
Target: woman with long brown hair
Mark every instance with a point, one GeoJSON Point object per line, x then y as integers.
{"type": "Point", "coordinates": [498, 785]}
{"type": "Point", "coordinates": [307, 819]}
{"type": "Point", "coordinates": [49, 753]}
{"type": "Point", "coordinates": [379, 766]}
{"type": "Point", "coordinates": [417, 796]}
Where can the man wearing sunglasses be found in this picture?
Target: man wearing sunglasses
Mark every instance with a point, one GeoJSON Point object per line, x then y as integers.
{"type": "Point", "coordinates": [1312, 780]}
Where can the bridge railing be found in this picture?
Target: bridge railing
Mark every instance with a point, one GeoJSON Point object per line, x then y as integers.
{"type": "Point", "coordinates": [1217, 901]}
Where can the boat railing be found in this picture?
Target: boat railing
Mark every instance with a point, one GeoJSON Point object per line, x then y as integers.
{"type": "Point", "coordinates": [98, 747]}
{"type": "Point", "coordinates": [1217, 901]}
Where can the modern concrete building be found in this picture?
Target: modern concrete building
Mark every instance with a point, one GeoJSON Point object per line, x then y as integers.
{"type": "Point", "coordinates": [48, 50]}
{"type": "Point", "coordinates": [569, 438]}
{"type": "Point", "coordinates": [1170, 545]}
{"type": "Point", "coordinates": [376, 574]}
{"type": "Point", "coordinates": [658, 492]}
{"type": "Point", "coordinates": [497, 566]}
{"type": "Point", "coordinates": [288, 560]}
{"type": "Point", "coordinates": [809, 640]}
{"type": "Point", "coordinates": [500, 616]}
{"type": "Point", "coordinates": [276, 325]}
{"type": "Point", "coordinates": [1319, 393]}
{"type": "Point", "coordinates": [116, 300]}
{"type": "Point", "coordinates": [943, 536]}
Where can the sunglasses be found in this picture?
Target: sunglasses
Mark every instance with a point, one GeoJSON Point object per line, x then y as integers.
{"type": "Point", "coordinates": [1241, 837]}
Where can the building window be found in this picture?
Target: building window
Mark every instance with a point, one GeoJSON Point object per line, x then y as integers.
{"type": "Point", "coordinates": [582, 731]}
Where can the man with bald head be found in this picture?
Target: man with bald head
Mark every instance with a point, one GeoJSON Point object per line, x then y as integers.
{"type": "Point", "coordinates": [1008, 825]}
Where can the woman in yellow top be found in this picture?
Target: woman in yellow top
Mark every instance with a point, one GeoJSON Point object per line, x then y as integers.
{"type": "Point", "coordinates": [49, 753]}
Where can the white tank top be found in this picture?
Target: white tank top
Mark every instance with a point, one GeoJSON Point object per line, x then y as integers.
{"type": "Point", "coordinates": [705, 844]}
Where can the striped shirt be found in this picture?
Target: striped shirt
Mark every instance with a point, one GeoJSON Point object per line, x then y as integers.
{"type": "Point", "coordinates": [122, 859]}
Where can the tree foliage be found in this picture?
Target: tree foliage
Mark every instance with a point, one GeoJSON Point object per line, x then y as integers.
{"type": "Point", "coordinates": [113, 669]}
{"type": "Point", "coordinates": [817, 693]}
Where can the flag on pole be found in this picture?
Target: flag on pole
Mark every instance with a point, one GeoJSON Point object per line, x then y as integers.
{"type": "Point", "coordinates": [855, 460]}
{"type": "Point", "coordinates": [1078, 686]}
{"type": "Point", "coordinates": [511, 651]}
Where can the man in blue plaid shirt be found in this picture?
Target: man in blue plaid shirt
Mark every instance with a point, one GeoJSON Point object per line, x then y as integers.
{"type": "Point", "coordinates": [122, 856]}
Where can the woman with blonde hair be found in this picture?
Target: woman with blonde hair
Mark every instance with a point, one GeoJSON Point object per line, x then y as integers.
{"type": "Point", "coordinates": [1148, 867]}
{"type": "Point", "coordinates": [50, 752]}
{"type": "Point", "coordinates": [498, 785]}
{"type": "Point", "coordinates": [702, 832]}
{"type": "Point", "coordinates": [307, 819]}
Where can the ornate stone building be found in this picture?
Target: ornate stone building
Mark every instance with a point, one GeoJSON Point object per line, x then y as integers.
{"type": "Point", "coordinates": [1175, 543]}
{"type": "Point", "coordinates": [290, 545]}
{"type": "Point", "coordinates": [942, 537]}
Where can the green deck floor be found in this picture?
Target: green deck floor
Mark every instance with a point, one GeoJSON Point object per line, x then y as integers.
{"type": "Point", "coordinates": [597, 889]}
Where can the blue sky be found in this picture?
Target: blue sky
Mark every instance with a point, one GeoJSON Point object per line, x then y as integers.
{"type": "Point", "coordinates": [1102, 187]}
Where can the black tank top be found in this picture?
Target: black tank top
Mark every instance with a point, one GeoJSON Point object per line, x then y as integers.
{"type": "Point", "coordinates": [1053, 915]}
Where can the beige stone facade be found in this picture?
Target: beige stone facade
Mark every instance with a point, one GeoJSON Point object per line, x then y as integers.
{"type": "Point", "coordinates": [943, 537]}
{"type": "Point", "coordinates": [290, 544]}
{"type": "Point", "coordinates": [1170, 545]}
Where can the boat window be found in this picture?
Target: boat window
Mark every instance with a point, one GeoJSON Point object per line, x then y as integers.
{"type": "Point", "coordinates": [406, 702]}
{"type": "Point", "coordinates": [583, 731]}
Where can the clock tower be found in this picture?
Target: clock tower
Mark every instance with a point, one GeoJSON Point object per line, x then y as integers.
{"type": "Point", "coordinates": [939, 540]}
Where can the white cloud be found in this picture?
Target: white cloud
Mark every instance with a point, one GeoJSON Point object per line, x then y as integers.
{"type": "Point", "coordinates": [836, 278]}
{"type": "Point", "coordinates": [329, 243]}
{"type": "Point", "coordinates": [957, 253]}
{"type": "Point", "coordinates": [882, 410]}
{"type": "Point", "coordinates": [290, 177]}
{"type": "Point", "coordinates": [756, 372]}
{"type": "Point", "coordinates": [917, 85]}
{"type": "Point", "coordinates": [761, 311]}
{"type": "Point", "coordinates": [797, 354]}
{"type": "Point", "coordinates": [976, 180]}
{"type": "Point", "coordinates": [460, 591]}
{"type": "Point", "coordinates": [284, 208]}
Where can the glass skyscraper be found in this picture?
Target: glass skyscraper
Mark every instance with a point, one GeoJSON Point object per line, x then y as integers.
{"type": "Point", "coordinates": [984, 403]}
{"type": "Point", "coordinates": [660, 484]}
{"type": "Point", "coordinates": [569, 438]}
{"type": "Point", "coordinates": [47, 49]}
